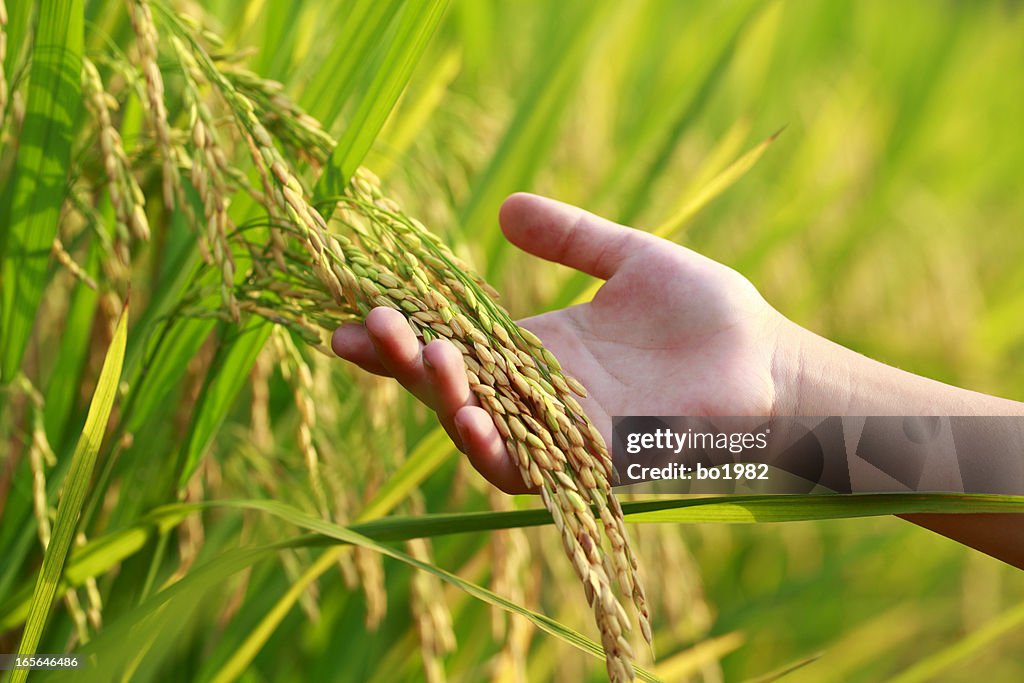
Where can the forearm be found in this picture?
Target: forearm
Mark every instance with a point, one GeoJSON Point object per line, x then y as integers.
{"type": "Point", "coordinates": [848, 383]}
{"type": "Point", "coordinates": [824, 378]}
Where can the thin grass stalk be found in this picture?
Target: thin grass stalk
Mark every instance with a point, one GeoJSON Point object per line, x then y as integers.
{"type": "Point", "coordinates": [3, 63]}
{"type": "Point", "coordinates": [65, 259]}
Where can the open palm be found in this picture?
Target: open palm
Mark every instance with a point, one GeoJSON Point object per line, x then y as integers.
{"type": "Point", "coordinates": [669, 333]}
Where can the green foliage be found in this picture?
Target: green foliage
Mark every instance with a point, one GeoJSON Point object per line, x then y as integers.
{"type": "Point", "coordinates": [886, 217]}
{"type": "Point", "coordinates": [32, 199]}
{"type": "Point", "coordinates": [74, 489]}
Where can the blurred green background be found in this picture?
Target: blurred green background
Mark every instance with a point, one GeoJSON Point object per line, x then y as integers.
{"type": "Point", "coordinates": [886, 216]}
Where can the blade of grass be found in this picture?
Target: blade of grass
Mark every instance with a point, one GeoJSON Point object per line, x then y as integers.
{"type": "Point", "coordinates": [102, 553]}
{"type": "Point", "coordinates": [528, 139]}
{"type": "Point", "coordinates": [784, 671]}
{"type": "Point", "coordinates": [75, 485]}
{"type": "Point", "coordinates": [416, 25]}
{"type": "Point", "coordinates": [19, 22]}
{"type": "Point", "coordinates": [232, 363]}
{"type": "Point", "coordinates": [411, 118]}
{"type": "Point", "coordinates": [716, 186]}
{"type": "Point", "coordinates": [346, 535]}
{"type": "Point", "coordinates": [693, 204]}
{"type": "Point", "coordinates": [333, 82]}
{"type": "Point", "coordinates": [37, 186]}
{"type": "Point", "coordinates": [679, 666]}
{"type": "Point", "coordinates": [931, 668]}
{"type": "Point", "coordinates": [432, 450]}
{"type": "Point", "coordinates": [689, 110]}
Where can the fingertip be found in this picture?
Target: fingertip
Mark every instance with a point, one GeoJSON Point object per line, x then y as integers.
{"type": "Point", "coordinates": [515, 211]}
{"type": "Point", "coordinates": [566, 234]}
{"type": "Point", "coordinates": [383, 321]}
{"type": "Point", "coordinates": [352, 343]}
{"type": "Point", "coordinates": [486, 450]}
{"type": "Point", "coordinates": [442, 358]}
{"type": "Point", "coordinates": [349, 339]}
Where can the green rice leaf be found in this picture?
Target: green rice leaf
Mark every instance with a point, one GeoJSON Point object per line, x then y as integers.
{"type": "Point", "coordinates": [347, 535]}
{"type": "Point", "coordinates": [231, 371]}
{"type": "Point", "coordinates": [75, 485]}
{"type": "Point", "coordinates": [37, 186]}
{"type": "Point", "coordinates": [716, 186]}
{"type": "Point", "coordinates": [333, 82]}
{"type": "Point", "coordinates": [529, 137]}
{"type": "Point", "coordinates": [717, 510]}
{"type": "Point", "coordinates": [416, 25]}
{"type": "Point", "coordinates": [101, 554]}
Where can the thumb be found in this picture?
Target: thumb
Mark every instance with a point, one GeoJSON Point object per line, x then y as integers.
{"type": "Point", "coordinates": [568, 235]}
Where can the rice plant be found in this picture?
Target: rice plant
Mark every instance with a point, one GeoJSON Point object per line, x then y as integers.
{"type": "Point", "coordinates": [190, 490]}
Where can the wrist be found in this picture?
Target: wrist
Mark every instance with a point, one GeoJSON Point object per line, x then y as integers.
{"type": "Point", "coordinates": [812, 375]}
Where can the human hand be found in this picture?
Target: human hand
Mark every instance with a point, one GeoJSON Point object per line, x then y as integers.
{"type": "Point", "coordinates": [669, 333]}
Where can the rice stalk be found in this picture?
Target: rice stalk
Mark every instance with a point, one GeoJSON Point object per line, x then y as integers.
{"type": "Point", "coordinates": [209, 177]}
{"type": "Point", "coordinates": [259, 414]}
{"type": "Point", "coordinates": [433, 622]}
{"type": "Point", "coordinates": [113, 264]}
{"type": "Point", "coordinates": [66, 260]}
{"type": "Point", "coordinates": [94, 602]}
{"type": "Point", "coordinates": [313, 270]}
{"type": "Point", "coordinates": [510, 561]}
{"type": "Point", "coordinates": [296, 372]}
{"type": "Point", "coordinates": [125, 193]}
{"type": "Point", "coordinates": [156, 109]}
{"type": "Point", "coordinates": [369, 568]}
{"type": "Point", "coordinates": [191, 534]}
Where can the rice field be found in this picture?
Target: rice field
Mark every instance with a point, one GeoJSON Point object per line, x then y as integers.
{"type": "Point", "coordinates": [194, 193]}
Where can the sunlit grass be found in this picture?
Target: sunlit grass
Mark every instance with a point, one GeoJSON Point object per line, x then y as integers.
{"type": "Point", "coordinates": [886, 216]}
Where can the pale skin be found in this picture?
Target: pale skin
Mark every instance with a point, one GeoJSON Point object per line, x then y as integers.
{"type": "Point", "coordinates": [670, 332]}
